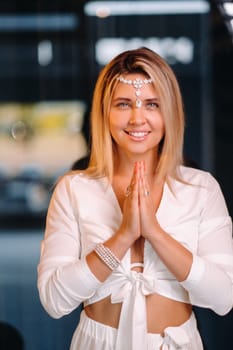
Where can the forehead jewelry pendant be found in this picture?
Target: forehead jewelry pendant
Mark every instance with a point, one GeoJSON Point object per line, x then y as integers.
{"type": "Point", "coordinates": [137, 84]}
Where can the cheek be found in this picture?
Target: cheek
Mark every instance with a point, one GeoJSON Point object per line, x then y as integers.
{"type": "Point", "coordinates": [113, 126]}
{"type": "Point", "coordinates": [116, 121]}
{"type": "Point", "coordinates": [159, 123]}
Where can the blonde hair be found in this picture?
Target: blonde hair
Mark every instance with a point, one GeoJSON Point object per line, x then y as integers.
{"type": "Point", "coordinates": [147, 62]}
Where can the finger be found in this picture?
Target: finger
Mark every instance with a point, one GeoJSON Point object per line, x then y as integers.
{"type": "Point", "coordinates": [132, 188]}
{"type": "Point", "coordinates": [144, 187]}
{"type": "Point", "coordinates": [131, 222]}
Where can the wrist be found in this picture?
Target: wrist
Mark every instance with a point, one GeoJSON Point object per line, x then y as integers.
{"type": "Point", "coordinates": [125, 238]}
{"type": "Point", "coordinates": [119, 243]}
{"type": "Point", "coordinates": [155, 235]}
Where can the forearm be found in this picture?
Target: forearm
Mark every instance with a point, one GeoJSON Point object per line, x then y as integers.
{"type": "Point", "coordinates": [64, 287]}
{"type": "Point", "coordinates": [209, 286]}
{"type": "Point", "coordinates": [118, 244]}
{"type": "Point", "coordinates": [173, 254]}
{"type": "Point", "coordinates": [208, 283]}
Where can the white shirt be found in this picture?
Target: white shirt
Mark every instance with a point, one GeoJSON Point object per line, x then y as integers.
{"type": "Point", "coordinates": [85, 211]}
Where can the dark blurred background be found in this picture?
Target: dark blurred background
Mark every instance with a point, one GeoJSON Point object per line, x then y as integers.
{"type": "Point", "coordinates": [50, 56]}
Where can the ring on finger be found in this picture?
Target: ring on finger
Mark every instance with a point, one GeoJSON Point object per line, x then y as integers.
{"type": "Point", "coordinates": [128, 191]}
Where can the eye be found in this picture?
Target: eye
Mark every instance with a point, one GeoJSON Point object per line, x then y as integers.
{"type": "Point", "coordinates": [123, 105]}
{"type": "Point", "coordinates": [152, 105]}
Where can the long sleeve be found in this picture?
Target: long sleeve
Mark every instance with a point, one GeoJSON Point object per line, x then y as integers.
{"type": "Point", "coordinates": [64, 278]}
{"type": "Point", "coordinates": [210, 281]}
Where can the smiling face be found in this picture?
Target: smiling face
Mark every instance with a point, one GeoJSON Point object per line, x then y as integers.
{"type": "Point", "coordinates": [137, 129]}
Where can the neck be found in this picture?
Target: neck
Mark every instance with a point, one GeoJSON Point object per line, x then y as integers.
{"type": "Point", "coordinates": [124, 164]}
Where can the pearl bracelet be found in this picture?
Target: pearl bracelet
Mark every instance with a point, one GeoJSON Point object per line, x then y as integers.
{"type": "Point", "coordinates": [107, 256]}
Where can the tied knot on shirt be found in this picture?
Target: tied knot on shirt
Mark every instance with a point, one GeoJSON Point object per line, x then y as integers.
{"type": "Point", "coordinates": [132, 281]}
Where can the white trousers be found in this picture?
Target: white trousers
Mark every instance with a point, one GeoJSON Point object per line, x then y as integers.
{"type": "Point", "coordinates": [92, 335]}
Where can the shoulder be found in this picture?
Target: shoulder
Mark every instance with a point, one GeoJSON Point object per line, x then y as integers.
{"type": "Point", "coordinates": [196, 182]}
{"type": "Point", "coordinates": [198, 177]}
{"type": "Point", "coordinates": [77, 182]}
{"type": "Point", "coordinates": [71, 177]}
{"type": "Point", "coordinates": [197, 187]}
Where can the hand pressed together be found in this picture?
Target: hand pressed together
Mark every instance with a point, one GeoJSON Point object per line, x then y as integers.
{"type": "Point", "coordinates": [139, 219]}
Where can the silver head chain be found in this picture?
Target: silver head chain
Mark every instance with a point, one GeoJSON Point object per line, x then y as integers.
{"type": "Point", "coordinates": [137, 84]}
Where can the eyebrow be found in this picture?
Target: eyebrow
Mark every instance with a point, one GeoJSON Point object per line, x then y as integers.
{"type": "Point", "coordinates": [151, 99]}
{"type": "Point", "coordinates": [122, 99]}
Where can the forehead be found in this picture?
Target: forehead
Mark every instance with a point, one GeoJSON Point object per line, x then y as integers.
{"type": "Point", "coordinates": [123, 88]}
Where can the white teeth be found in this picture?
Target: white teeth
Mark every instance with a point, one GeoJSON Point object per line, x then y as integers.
{"type": "Point", "coordinates": [138, 134]}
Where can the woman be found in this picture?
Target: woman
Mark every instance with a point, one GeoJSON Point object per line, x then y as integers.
{"type": "Point", "coordinates": [137, 237]}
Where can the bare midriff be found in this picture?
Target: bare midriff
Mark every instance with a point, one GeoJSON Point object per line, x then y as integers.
{"type": "Point", "coordinates": [162, 312]}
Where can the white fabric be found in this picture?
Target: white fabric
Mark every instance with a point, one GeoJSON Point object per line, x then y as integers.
{"type": "Point", "coordinates": [91, 335]}
{"type": "Point", "coordinates": [84, 212]}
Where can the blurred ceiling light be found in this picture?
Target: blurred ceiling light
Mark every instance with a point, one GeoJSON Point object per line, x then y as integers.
{"type": "Point", "coordinates": [228, 7]}
{"type": "Point", "coordinates": [45, 52]}
{"type": "Point", "coordinates": [103, 12]}
{"type": "Point", "coordinates": [123, 8]}
{"type": "Point", "coordinates": [174, 50]}
{"type": "Point", "coordinates": [45, 22]}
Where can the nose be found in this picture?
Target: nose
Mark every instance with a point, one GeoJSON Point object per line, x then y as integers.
{"type": "Point", "coordinates": [137, 117]}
